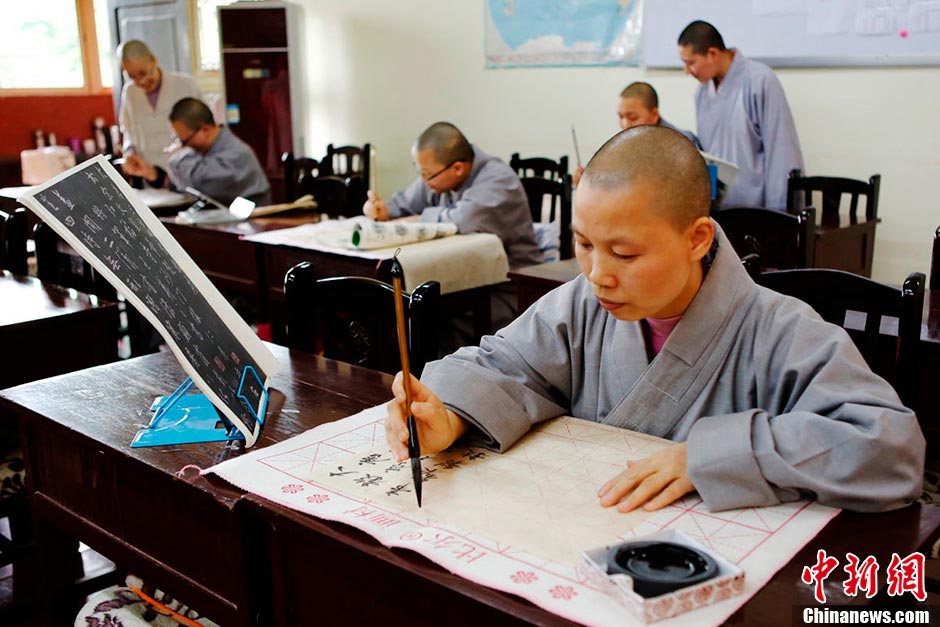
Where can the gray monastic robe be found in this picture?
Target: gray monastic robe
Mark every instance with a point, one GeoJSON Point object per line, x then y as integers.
{"type": "Point", "coordinates": [230, 169]}
{"type": "Point", "coordinates": [775, 403]}
{"type": "Point", "coordinates": [747, 121]}
{"type": "Point", "coordinates": [147, 129]}
{"type": "Point", "coordinates": [491, 200]}
{"type": "Point", "coordinates": [689, 134]}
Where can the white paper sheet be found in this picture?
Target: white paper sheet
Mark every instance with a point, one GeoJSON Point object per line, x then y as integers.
{"type": "Point", "coordinates": [498, 529]}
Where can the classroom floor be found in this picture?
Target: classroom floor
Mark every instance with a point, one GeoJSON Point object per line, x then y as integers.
{"type": "Point", "coordinates": [21, 586]}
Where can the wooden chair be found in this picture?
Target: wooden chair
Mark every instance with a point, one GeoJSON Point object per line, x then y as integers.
{"type": "Point", "coordinates": [13, 236]}
{"type": "Point", "coordinates": [751, 264]}
{"type": "Point", "coordinates": [298, 172]}
{"type": "Point", "coordinates": [550, 201]}
{"type": "Point", "coordinates": [883, 321]}
{"type": "Point", "coordinates": [541, 167]}
{"type": "Point", "coordinates": [935, 262]}
{"type": "Point", "coordinates": [352, 319]}
{"type": "Point", "coordinates": [59, 264]}
{"type": "Point", "coordinates": [347, 161]}
{"type": "Point", "coordinates": [832, 189]}
{"type": "Point", "coordinates": [784, 241]}
{"type": "Point", "coordinates": [842, 244]}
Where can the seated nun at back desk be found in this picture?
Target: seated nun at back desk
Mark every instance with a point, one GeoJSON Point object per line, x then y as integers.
{"type": "Point", "coordinates": [208, 158]}
{"type": "Point", "coordinates": [478, 192]}
{"type": "Point", "coordinates": [665, 333]}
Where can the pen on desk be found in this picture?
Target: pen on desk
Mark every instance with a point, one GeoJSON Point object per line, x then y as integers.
{"type": "Point", "coordinates": [577, 153]}
{"type": "Point", "coordinates": [414, 446]}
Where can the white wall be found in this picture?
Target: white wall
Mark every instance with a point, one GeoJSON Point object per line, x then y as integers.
{"type": "Point", "coordinates": [382, 71]}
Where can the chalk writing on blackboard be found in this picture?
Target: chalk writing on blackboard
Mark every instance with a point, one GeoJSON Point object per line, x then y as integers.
{"type": "Point", "coordinates": [96, 212]}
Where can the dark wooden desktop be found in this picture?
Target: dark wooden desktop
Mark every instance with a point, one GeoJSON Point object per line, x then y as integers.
{"type": "Point", "coordinates": [231, 263]}
{"type": "Point", "coordinates": [176, 530]}
{"type": "Point", "coordinates": [244, 561]}
{"type": "Point", "coordinates": [534, 282]}
{"type": "Point", "coordinates": [36, 315]}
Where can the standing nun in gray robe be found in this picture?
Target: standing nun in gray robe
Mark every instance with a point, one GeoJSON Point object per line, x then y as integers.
{"type": "Point", "coordinates": [742, 116]}
{"type": "Point", "coordinates": [773, 403]}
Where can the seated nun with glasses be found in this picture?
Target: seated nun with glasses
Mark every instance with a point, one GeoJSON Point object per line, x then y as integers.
{"type": "Point", "coordinates": [207, 157]}
{"type": "Point", "coordinates": [457, 182]}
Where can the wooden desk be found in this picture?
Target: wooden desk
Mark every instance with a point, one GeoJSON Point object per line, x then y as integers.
{"type": "Point", "coordinates": [242, 560]}
{"type": "Point", "coordinates": [47, 330]}
{"type": "Point", "coordinates": [178, 532]}
{"type": "Point", "coordinates": [354, 571]}
{"type": "Point", "coordinates": [845, 245]}
{"type": "Point", "coordinates": [928, 373]}
{"type": "Point", "coordinates": [231, 264]}
{"type": "Point", "coordinates": [534, 282]}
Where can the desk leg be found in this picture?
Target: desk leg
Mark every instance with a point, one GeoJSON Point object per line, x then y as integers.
{"type": "Point", "coordinates": [61, 565]}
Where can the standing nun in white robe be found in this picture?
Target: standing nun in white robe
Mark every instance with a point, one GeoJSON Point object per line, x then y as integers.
{"type": "Point", "coordinates": [768, 402]}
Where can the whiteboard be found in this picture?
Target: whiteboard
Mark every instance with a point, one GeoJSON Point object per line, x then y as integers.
{"type": "Point", "coordinates": [802, 33]}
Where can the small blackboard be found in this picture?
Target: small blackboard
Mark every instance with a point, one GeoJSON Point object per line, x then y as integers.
{"type": "Point", "coordinates": [90, 207]}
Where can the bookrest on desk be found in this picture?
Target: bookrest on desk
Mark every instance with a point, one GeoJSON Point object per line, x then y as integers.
{"type": "Point", "coordinates": [183, 418]}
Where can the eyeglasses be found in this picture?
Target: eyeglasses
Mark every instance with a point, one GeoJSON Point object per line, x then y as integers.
{"type": "Point", "coordinates": [185, 142]}
{"type": "Point", "coordinates": [431, 177]}
{"type": "Point", "coordinates": [180, 143]}
{"type": "Point", "coordinates": [141, 76]}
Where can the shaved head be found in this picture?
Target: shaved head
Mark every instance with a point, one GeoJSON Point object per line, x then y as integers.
{"type": "Point", "coordinates": [192, 113]}
{"type": "Point", "coordinates": [660, 159]}
{"type": "Point", "coordinates": [446, 142]}
{"type": "Point", "coordinates": [643, 92]}
{"type": "Point", "coordinates": [134, 49]}
{"type": "Point", "coordinates": [700, 36]}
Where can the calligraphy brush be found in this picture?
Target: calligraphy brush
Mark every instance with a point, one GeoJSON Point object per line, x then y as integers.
{"type": "Point", "coordinates": [414, 446]}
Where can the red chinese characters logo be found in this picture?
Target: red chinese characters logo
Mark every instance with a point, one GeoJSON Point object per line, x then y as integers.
{"type": "Point", "coordinates": [906, 575]}
{"type": "Point", "coordinates": [862, 576]}
{"type": "Point", "coordinates": [817, 573]}
{"type": "Point", "coordinates": [902, 575]}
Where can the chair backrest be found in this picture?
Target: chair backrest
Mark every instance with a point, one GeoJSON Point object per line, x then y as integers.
{"type": "Point", "coordinates": [784, 241]}
{"type": "Point", "coordinates": [935, 262]}
{"type": "Point", "coordinates": [13, 236]}
{"type": "Point", "coordinates": [883, 321]}
{"type": "Point", "coordinates": [298, 172]}
{"type": "Point", "coordinates": [347, 161]}
{"type": "Point", "coordinates": [550, 201]}
{"type": "Point", "coordinates": [751, 263]}
{"type": "Point", "coordinates": [352, 319]}
{"type": "Point", "coordinates": [800, 191]}
{"type": "Point", "coordinates": [540, 167]}
{"type": "Point", "coordinates": [337, 196]}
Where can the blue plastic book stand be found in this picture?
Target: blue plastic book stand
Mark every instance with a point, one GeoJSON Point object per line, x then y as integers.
{"type": "Point", "coordinates": [183, 418]}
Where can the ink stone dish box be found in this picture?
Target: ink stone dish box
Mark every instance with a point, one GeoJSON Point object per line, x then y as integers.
{"type": "Point", "coordinates": [662, 575]}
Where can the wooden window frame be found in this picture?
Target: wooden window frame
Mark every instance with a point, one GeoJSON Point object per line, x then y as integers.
{"type": "Point", "coordinates": [88, 40]}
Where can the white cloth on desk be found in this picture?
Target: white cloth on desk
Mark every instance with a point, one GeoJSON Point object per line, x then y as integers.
{"type": "Point", "coordinates": [460, 262]}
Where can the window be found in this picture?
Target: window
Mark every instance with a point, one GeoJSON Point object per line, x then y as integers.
{"type": "Point", "coordinates": [53, 46]}
{"type": "Point", "coordinates": [207, 21]}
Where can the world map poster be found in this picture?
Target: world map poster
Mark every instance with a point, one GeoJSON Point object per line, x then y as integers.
{"type": "Point", "coordinates": [522, 33]}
